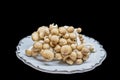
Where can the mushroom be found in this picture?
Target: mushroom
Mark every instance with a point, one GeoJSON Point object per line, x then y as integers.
{"type": "Point", "coordinates": [79, 61]}
{"type": "Point", "coordinates": [66, 36]}
{"type": "Point", "coordinates": [79, 30]}
{"type": "Point", "coordinates": [70, 29]}
{"type": "Point", "coordinates": [62, 41]}
{"type": "Point", "coordinates": [79, 55]}
{"type": "Point", "coordinates": [72, 36]}
{"type": "Point", "coordinates": [79, 47]}
{"type": "Point", "coordinates": [54, 31]}
{"type": "Point", "coordinates": [66, 49]}
{"type": "Point", "coordinates": [48, 55]}
{"type": "Point", "coordinates": [46, 46]}
{"type": "Point", "coordinates": [54, 39]}
{"type": "Point", "coordinates": [57, 48]}
{"type": "Point", "coordinates": [85, 51]}
{"type": "Point", "coordinates": [62, 30]}
{"type": "Point", "coordinates": [35, 36]}
{"type": "Point", "coordinates": [73, 46]}
{"type": "Point", "coordinates": [28, 52]}
{"type": "Point", "coordinates": [73, 56]}
{"type": "Point", "coordinates": [58, 56]}
{"type": "Point", "coordinates": [37, 45]}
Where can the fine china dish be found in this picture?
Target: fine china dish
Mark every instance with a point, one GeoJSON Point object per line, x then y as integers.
{"type": "Point", "coordinates": [95, 59]}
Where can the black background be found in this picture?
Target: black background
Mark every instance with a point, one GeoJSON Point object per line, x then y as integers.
{"type": "Point", "coordinates": [93, 24]}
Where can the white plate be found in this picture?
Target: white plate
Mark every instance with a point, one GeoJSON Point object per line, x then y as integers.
{"type": "Point", "coordinates": [58, 67]}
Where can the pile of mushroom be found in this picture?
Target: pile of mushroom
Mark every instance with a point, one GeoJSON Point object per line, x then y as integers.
{"type": "Point", "coordinates": [60, 43]}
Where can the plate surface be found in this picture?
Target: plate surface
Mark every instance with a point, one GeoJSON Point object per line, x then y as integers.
{"type": "Point", "coordinates": [57, 67]}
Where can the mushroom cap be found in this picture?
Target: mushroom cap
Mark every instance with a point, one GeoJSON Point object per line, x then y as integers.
{"type": "Point", "coordinates": [66, 49]}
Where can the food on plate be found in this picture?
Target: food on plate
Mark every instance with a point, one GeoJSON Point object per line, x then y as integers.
{"type": "Point", "coordinates": [57, 48]}
{"type": "Point", "coordinates": [62, 30]}
{"type": "Point", "coordinates": [79, 30]}
{"type": "Point", "coordinates": [58, 56]}
{"type": "Point", "coordinates": [72, 36]}
{"type": "Point", "coordinates": [35, 36]}
{"type": "Point", "coordinates": [66, 50]}
{"type": "Point", "coordinates": [70, 29]}
{"type": "Point", "coordinates": [46, 46]}
{"type": "Point", "coordinates": [28, 52]}
{"type": "Point", "coordinates": [48, 55]}
{"type": "Point", "coordinates": [60, 43]}
{"type": "Point", "coordinates": [73, 46]}
{"type": "Point", "coordinates": [79, 55]}
{"type": "Point", "coordinates": [79, 61]}
{"type": "Point", "coordinates": [73, 56]}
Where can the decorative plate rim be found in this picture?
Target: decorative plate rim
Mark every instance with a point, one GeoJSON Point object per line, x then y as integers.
{"type": "Point", "coordinates": [63, 71]}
